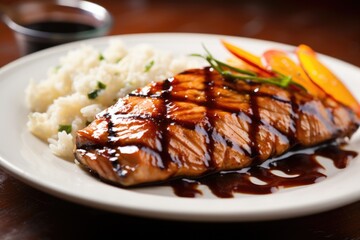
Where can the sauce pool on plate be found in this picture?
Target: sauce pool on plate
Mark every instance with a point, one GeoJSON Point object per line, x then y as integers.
{"type": "Point", "coordinates": [300, 169]}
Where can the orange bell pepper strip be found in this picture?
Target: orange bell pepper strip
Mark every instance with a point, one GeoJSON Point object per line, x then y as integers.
{"type": "Point", "coordinates": [279, 61]}
{"type": "Point", "coordinates": [248, 58]}
{"type": "Point", "coordinates": [325, 79]}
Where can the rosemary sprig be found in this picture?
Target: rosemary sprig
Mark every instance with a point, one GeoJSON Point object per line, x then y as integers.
{"type": "Point", "coordinates": [235, 73]}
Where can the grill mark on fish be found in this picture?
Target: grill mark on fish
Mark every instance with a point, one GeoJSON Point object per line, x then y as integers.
{"type": "Point", "coordinates": [163, 124]}
{"type": "Point", "coordinates": [209, 121]}
{"type": "Point", "coordinates": [294, 116]}
{"type": "Point", "coordinates": [254, 127]}
{"type": "Point", "coordinates": [111, 135]}
{"type": "Point", "coordinates": [162, 92]}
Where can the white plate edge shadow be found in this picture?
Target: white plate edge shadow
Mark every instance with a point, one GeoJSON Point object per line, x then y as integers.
{"type": "Point", "coordinates": [187, 209]}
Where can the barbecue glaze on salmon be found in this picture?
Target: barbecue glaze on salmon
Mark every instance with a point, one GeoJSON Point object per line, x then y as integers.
{"type": "Point", "coordinates": [198, 123]}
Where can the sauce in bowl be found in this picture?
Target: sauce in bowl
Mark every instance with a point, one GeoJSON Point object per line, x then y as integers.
{"type": "Point", "coordinates": [42, 24]}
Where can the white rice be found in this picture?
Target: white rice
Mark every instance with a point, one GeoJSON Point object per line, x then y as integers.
{"type": "Point", "coordinates": [62, 98]}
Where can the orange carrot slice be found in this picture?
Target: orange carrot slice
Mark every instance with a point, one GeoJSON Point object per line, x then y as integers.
{"type": "Point", "coordinates": [325, 79]}
{"type": "Point", "coordinates": [247, 57]}
{"type": "Point", "coordinates": [279, 61]}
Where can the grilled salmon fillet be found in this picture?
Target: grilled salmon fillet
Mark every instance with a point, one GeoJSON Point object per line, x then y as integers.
{"type": "Point", "coordinates": [198, 123]}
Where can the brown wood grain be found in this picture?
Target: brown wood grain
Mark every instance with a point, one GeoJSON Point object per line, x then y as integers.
{"type": "Point", "coordinates": [330, 27]}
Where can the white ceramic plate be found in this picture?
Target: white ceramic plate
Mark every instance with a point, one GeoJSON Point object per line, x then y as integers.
{"type": "Point", "coordinates": [30, 160]}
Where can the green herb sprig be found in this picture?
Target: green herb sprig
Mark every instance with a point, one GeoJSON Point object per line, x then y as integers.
{"type": "Point", "coordinates": [94, 93]}
{"type": "Point", "coordinates": [234, 73]}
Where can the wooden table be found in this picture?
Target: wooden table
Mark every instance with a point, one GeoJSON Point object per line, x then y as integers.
{"type": "Point", "coordinates": [330, 27]}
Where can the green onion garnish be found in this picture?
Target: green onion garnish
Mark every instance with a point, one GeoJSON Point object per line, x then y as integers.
{"type": "Point", "coordinates": [101, 85]}
{"type": "Point", "coordinates": [93, 94]}
{"type": "Point", "coordinates": [66, 128]}
{"type": "Point", "coordinates": [149, 66]}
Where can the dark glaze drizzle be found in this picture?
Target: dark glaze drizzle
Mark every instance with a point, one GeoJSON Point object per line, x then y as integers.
{"type": "Point", "coordinates": [224, 184]}
{"type": "Point", "coordinates": [206, 128]}
{"type": "Point", "coordinates": [301, 169]}
{"type": "Point", "coordinates": [209, 129]}
{"type": "Point", "coordinates": [163, 124]}
{"type": "Point", "coordinates": [254, 127]}
{"type": "Point", "coordinates": [342, 156]}
{"type": "Point", "coordinates": [294, 118]}
{"type": "Point", "coordinates": [113, 157]}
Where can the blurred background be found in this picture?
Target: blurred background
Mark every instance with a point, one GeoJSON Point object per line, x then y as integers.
{"type": "Point", "coordinates": [329, 26]}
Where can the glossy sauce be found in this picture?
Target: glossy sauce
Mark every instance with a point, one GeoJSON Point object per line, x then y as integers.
{"type": "Point", "coordinates": [59, 27]}
{"type": "Point", "coordinates": [301, 169]}
{"type": "Point", "coordinates": [53, 28]}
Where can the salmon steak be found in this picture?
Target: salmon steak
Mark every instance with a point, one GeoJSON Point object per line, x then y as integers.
{"type": "Point", "coordinates": [197, 123]}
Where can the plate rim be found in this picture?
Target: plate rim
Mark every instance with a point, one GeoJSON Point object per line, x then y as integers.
{"type": "Point", "coordinates": [163, 213]}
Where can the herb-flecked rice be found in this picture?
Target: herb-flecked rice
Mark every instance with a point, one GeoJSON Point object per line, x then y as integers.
{"type": "Point", "coordinates": [86, 81]}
